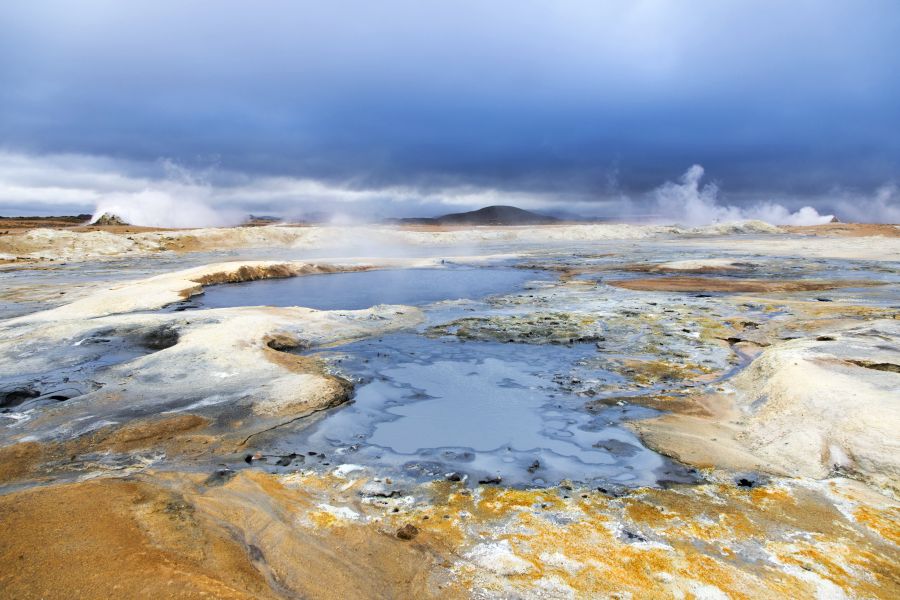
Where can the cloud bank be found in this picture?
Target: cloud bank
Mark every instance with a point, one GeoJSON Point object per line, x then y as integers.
{"type": "Point", "coordinates": [165, 194]}
{"type": "Point", "coordinates": [444, 100]}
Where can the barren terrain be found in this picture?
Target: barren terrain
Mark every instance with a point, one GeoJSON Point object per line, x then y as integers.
{"type": "Point", "coordinates": [136, 429]}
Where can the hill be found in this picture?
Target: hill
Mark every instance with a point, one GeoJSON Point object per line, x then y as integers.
{"type": "Point", "coordinates": [489, 215]}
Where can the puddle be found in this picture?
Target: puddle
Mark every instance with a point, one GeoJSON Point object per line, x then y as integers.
{"type": "Point", "coordinates": [357, 290]}
{"type": "Point", "coordinates": [489, 412]}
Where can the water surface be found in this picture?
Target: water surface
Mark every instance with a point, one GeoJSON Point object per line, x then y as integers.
{"type": "Point", "coordinates": [357, 290]}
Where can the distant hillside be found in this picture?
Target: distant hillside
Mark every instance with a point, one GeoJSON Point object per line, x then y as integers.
{"type": "Point", "coordinates": [489, 215]}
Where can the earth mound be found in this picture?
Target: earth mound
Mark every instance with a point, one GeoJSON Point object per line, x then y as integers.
{"type": "Point", "coordinates": [109, 219]}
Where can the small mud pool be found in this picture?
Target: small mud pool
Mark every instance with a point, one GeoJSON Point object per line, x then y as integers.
{"type": "Point", "coordinates": [33, 383]}
{"type": "Point", "coordinates": [487, 412]}
{"type": "Point", "coordinates": [357, 290]}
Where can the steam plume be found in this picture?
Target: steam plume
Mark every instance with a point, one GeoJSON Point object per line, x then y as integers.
{"type": "Point", "coordinates": [692, 204]}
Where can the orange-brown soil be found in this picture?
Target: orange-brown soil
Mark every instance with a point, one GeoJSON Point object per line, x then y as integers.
{"type": "Point", "coordinates": [261, 536]}
{"type": "Point", "coordinates": [113, 538]}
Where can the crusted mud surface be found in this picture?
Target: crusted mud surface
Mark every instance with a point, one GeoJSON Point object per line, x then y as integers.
{"type": "Point", "coordinates": [133, 433]}
{"type": "Point", "coordinates": [708, 284]}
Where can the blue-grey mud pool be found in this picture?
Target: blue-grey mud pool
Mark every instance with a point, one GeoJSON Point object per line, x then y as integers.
{"type": "Point", "coordinates": [552, 411]}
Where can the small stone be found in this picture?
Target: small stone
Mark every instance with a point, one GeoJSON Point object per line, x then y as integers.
{"type": "Point", "coordinates": [492, 479]}
{"type": "Point", "coordinates": [285, 461]}
{"type": "Point", "coordinates": [407, 532]}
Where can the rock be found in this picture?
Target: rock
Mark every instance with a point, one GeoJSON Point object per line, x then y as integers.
{"type": "Point", "coordinates": [285, 461]}
{"type": "Point", "coordinates": [490, 479]}
{"type": "Point", "coordinates": [407, 532]}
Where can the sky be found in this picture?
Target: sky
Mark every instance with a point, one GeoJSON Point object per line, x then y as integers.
{"type": "Point", "coordinates": [195, 112]}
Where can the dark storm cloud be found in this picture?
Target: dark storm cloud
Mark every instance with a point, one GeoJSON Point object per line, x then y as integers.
{"type": "Point", "coordinates": [588, 98]}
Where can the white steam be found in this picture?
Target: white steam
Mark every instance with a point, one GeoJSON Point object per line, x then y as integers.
{"type": "Point", "coordinates": [164, 194]}
{"type": "Point", "coordinates": [182, 199]}
{"type": "Point", "coordinates": [884, 207]}
{"type": "Point", "coordinates": [690, 203]}
{"type": "Point", "coordinates": [164, 208]}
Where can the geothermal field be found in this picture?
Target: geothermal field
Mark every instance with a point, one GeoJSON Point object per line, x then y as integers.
{"type": "Point", "coordinates": [422, 411]}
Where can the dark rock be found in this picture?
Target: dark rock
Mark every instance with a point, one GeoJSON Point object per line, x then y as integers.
{"type": "Point", "coordinates": [285, 461]}
{"type": "Point", "coordinates": [407, 532]}
{"type": "Point", "coordinates": [385, 494]}
{"type": "Point", "coordinates": [633, 537]}
{"type": "Point", "coordinates": [749, 480]}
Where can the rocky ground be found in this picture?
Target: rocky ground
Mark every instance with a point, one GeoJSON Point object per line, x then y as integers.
{"type": "Point", "coordinates": [772, 357]}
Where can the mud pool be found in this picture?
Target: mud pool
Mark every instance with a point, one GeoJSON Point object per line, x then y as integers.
{"type": "Point", "coordinates": [431, 408]}
{"type": "Point", "coordinates": [24, 391]}
{"type": "Point", "coordinates": [482, 412]}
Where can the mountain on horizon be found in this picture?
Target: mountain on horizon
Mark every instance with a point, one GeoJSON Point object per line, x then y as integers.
{"type": "Point", "coordinates": [489, 215]}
